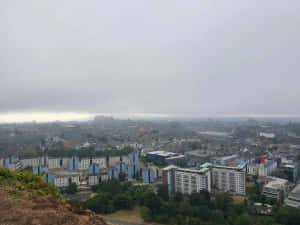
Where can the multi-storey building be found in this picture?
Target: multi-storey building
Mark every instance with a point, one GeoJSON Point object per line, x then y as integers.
{"type": "Point", "coordinates": [229, 178]}
{"type": "Point", "coordinates": [187, 181]}
{"type": "Point", "coordinates": [84, 164]}
{"type": "Point", "coordinates": [62, 179]}
{"type": "Point", "coordinates": [73, 164]}
{"type": "Point", "coordinates": [32, 162]}
{"type": "Point", "coordinates": [15, 166]}
{"type": "Point", "coordinates": [275, 188]}
{"type": "Point", "coordinates": [293, 199]}
{"type": "Point", "coordinates": [100, 161]}
{"type": "Point", "coordinates": [113, 161]}
{"type": "Point", "coordinates": [262, 169]}
{"type": "Point", "coordinates": [54, 163]}
{"type": "Point", "coordinates": [1, 163]}
{"type": "Point", "coordinates": [94, 180]}
{"type": "Point", "coordinates": [148, 176]}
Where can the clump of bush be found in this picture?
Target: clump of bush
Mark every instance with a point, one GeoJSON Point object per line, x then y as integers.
{"type": "Point", "coordinates": [27, 181]}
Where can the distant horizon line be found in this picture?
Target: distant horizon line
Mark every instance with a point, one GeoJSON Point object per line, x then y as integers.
{"type": "Point", "coordinates": [23, 117]}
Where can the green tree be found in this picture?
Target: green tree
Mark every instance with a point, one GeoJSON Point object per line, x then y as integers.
{"type": "Point", "coordinates": [244, 219]}
{"type": "Point", "coordinates": [202, 212]}
{"type": "Point", "coordinates": [122, 177]}
{"type": "Point", "coordinates": [123, 201]}
{"type": "Point", "coordinates": [152, 201]}
{"type": "Point", "coordinates": [146, 214]}
{"type": "Point", "coordinates": [178, 197]}
{"type": "Point", "coordinates": [101, 203]}
{"type": "Point", "coordinates": [185, 209]}
{"type": "Point", "coordinates": [218, 217]}
{"type": "Point", "coordinates": [163, 192]}
{"type": "Point", "coordinates": [201, 198]}
{"type": "Point", "coordinates": [71, 189]}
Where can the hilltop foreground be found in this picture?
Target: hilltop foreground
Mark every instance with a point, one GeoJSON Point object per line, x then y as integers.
{"type": "Point", "coordinates": [28, 199]}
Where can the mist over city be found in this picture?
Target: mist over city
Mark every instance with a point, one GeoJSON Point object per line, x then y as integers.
{"type": "Point", "coordinates": [149, 112]}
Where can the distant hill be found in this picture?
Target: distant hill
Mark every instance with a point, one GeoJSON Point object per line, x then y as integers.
{"type": "Point", "coordinates": [27, 199]}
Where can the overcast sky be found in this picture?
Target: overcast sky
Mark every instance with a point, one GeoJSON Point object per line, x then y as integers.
{"type": "Point", "coordinates": [167, 57]}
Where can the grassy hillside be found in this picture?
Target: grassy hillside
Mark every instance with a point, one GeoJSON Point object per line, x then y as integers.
{"type": "Point", "coordinates": [28, 199]}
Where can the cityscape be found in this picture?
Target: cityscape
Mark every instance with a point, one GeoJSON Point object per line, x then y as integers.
{"type": "Point", "coordinates": [254, 162]}
{"type": "Point", "coordinates": [149, 112]}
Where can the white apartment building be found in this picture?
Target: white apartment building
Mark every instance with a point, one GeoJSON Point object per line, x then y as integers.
{"type": "Point", "coordinates": [104, 177]}
{"type": "Point", "coordinates": [275, 188]}
{"type": "Point", "coordinates": [32, 162]}
{"type": "Point", "coordinates": [113, 161]}
{"type": "Point", "coordinates": [84, 164]}
{"type": "Point", "coordinates": [93, 180]}
{"type": "Point", "coordinates": [229, 179]}
{"type": "Point", "coordinates": [15, 166]}
{"type": "Point", "coordinates": [293, 198]}
{"type": "Point", "coordinates": [53, 163]}
{"type": "Point", "coordinates": [125, 159]}
{"type": "Point", "coordinates": [1, 163]}
{"type": "Point", "coordinates": [189, 181]}
{"type": "Point", "coordinates": [101, 162]}
{"type": "Point", "coordinates": [62, 179]}
{"type": "Point", "coordinates": [262, 169]}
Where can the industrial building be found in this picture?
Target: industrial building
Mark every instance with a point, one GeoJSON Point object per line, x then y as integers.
{"type": "Point", "coordinates": [170, 158]}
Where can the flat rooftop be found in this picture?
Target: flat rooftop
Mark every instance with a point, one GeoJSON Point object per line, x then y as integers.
{"type": "Point", "coordinates": [276, 182]}
{"type": "Point", "coordinates": [296, 189]}
{"type": "Point", "coordinates": [62, 172]}
{"type": "Point", "coordinates": [161, 153]}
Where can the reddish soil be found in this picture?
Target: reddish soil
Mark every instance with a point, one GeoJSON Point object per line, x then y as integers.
{"type": "Point", "coordinates": [22, 210]}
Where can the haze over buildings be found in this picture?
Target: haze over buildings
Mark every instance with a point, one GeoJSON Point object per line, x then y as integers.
{"type": "Point", "coordinates": [164, 58]}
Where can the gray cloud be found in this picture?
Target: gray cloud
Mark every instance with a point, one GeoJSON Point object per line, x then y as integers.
{"type": "Point", "coordinates": [170, 57]}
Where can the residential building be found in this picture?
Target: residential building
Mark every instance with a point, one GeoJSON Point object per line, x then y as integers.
{"type": "Point", "coordinates": [94, 169]}
{"type": "Point", "coordinates": [39, 170]}
{"type": "Point", "coordinates": [293, 198]}
{"type": "Point", "coordinates": [187, 181]}
{"type": "Point", "coordinates": [100, 161]}
{"type": "Point", "coordinates": [15, 166]}
{"type": "Point", "coordinates": [290, 172]}
{"type": "Point", "coordinates": [54, 163]}
{"type": "Point", "coordinates": [275, 188]}
{"type": "Point", "coordinates": [84, 164]}
{"type": "Point", "coordinates": [262, 169]}
{"type": "Point", "coordinates": [73, 164]}
{"type": "Point", "coordinates": [2, 163]}
{"type": "Point", "coordinates": [148, 175]}
{"type": "Point", "coordinates": [32, 162]}
{"type": "Point", "coordinates": [63, 179]}
{"type": "Point", "coordinates": [229, 178]}
{"type": "Point", "coordinates": [94, 180]}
